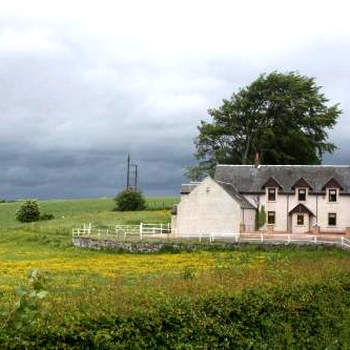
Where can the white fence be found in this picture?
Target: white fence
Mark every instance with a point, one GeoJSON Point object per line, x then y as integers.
{"type": "Point", "coordinates": [124, 231]}
{"type": "Point", "coordinates": [156, 231]}
{"type": "Point", "coordinates": [260, 238]}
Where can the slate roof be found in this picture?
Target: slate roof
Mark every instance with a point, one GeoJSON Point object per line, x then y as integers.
{"type": "Point", "coordinates": [250, 179]}
{"type": "Point", "coordinates": [188, 188]}
{"type": "Point", "coordinates": [301, 208]}
{"type": "Point", "coordinates": [241, 200]}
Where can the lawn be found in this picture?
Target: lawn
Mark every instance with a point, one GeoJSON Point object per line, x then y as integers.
{"type": "Point", "coordinates": [90, 292]}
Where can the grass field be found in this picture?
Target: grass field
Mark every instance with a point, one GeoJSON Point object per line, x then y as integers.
{"type": "Point", "coordinates": [92, 288]}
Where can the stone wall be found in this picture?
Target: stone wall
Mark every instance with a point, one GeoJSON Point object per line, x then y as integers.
{"type": "Point", "coordinates": [154, 247]}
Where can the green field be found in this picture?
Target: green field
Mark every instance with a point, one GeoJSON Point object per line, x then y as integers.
{"type": "Point", "coordinates": [245, 298]}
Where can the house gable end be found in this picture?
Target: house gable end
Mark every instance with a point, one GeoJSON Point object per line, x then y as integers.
{"type": "Point", "coordinates": [332, 183]}
{"type": "Point", "coordinates": [302, 183]}
{"type": "Point", "coordinates": [271, 182]}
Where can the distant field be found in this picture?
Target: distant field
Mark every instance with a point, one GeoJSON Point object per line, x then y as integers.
{"type": "Point", "coordinates": [84, 210]}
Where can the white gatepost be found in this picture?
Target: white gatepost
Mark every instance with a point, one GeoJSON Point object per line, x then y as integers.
{"type": "Point", "coordinates": [261, 238]}
{"type": "Point", "coordinates": [141, 230]}
{"type": "Point", "coordinates": [315, 239]}
{"type": "Point", "coordinates": [236, 238]}
{"type": "Point", "coordinates": [288, 239]}
{"type": "Point", "coordinates": [342, 241]}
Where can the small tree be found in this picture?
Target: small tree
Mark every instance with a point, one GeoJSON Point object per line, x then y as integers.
{"type": "Point", "coordinates": [28, 212]}
{"type": "Point", "coordinates": [130, 200]}
{"type": "Point", "coordinates": [260, 218]}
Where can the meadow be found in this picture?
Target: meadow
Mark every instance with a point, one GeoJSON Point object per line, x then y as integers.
{"type": "Point", "coordinates": [250, 297]}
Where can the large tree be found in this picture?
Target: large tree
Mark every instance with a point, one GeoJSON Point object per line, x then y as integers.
{"type": "Point", "coordinates": [282, 117]}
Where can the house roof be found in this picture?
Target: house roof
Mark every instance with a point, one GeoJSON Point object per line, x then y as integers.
{"type": "Point", "coordinates": [301, 183]}
{"type": "Point", "coordinates": [301, 208]}
{"type": "Point", "coordinates": [251, 179]}
{"type": "Point", "coordinates": [332, 183]}
{"type": "Point", "coordinates": [271, 182]}
{"type": "Point", "coordinates": [229, 189]}
{"type": "Point", "coordinates": [188, 188]}
{"type": "Point", "coordinates": [240, 199]}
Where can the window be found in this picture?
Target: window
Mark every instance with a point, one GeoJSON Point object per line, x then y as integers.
{"type": "Point", "coordinates": [271, 194]}
{"type": "Point", "coordinates": [300, 219]}
{"type": "Point", "coordinates": [332, 195]}
{"type": "Point", "coordinates": [301, 194]}
{"type": "Point", "coordinates": [332, 219]}
{"type": "Point", "coordinates": [271, 217]}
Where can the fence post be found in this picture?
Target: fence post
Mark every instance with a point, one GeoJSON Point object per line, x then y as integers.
{"type": "Point", "coordinates": [99, 233]}
{"type": "Point", "coordinates": [342, 241]}
{"type": "Point", "coordinates": [141, 230]}
{"type": "Point", "coordinates": [315, 239]}
{"type": "Point", "coordinates": [161, 230]}
{"type": "Point", "coordinates": [200, 237]}
{"type": "Point", "coordinates": [288, 239]}
{"type": "Point", "coordinates": [213, 237]}
{"type": "Point", "coordinates": [78, 232]}
{"type": "Point", "coordinates": [261, 238]}
{"type": "Point", "coordinates": [236, 238]}
{"type": "Point", "coordinates": [90, 228]}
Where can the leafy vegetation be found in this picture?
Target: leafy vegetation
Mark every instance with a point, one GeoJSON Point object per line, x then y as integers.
{"type": "Point", "coordinates": [282, 117]}
{"type": "Point", "coordinates": [130, 201]}
{"type": "Point", "coordinates": [28, 212]}
{"type": "Point", "coordinates": [260, 218]}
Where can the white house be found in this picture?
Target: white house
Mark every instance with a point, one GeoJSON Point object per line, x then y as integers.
{"type": "Point", "coordinates": [296, 198]}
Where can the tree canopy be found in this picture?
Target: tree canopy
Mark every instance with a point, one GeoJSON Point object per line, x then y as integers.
{"type": "Point", "coordinates": [283, 117]}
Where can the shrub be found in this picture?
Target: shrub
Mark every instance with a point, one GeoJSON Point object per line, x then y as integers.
{"type": "Point", "coordinates": [260, 218]}
{"type": "Point", "coordinates": [47, 216]}
{"type": "Point", "coordinates": [130, 200]}
{"type": "Point", "coordinates": [28, 212]}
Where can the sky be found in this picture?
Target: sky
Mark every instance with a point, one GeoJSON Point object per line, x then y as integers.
{"type": "Point", "coordinates": [83, 83]}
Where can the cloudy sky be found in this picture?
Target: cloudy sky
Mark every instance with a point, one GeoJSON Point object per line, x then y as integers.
{"type": "Point", "coordinates": [85, 82]}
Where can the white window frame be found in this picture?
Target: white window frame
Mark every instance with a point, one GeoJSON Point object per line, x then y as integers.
{"type": "Point", "coordinates": [305, 191]}
{"type": "Point", "coordinates": [268, 194]}
{"type": "Point", "coordinates": [329, 195]}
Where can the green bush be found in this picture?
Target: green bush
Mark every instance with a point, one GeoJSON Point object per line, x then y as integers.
{"type": "Point", "coordinates": [130, 201]}
{"type": "Point", "coordinates": [28, 212]}
{"type": "Point", "coordinates": [46, 217]}
{"type": "Point", "coordinates": [295, 317]}
{"type": "Point", "coordinates": [260, 217]}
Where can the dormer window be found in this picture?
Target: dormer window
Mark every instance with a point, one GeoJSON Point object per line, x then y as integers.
{"type": "Point", "coordinates": [271, 186]}
{"type": "Point", "coordinates": [332, 195]}
{"type": "Point", "coordinates": [301, 194]}
{"type": "Point", "coordinates": [332, 188]}
{"type": "Point", "coordinates": [271, 194]}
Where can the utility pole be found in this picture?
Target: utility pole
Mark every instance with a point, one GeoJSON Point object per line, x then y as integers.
{"type": "Point", "coordinates": [131, 171]}
{"type": "Point", "coordinates": [128, 173]}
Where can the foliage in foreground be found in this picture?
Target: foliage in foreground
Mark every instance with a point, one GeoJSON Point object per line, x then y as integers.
{"type": "Point", "coordinates": [307, 316]}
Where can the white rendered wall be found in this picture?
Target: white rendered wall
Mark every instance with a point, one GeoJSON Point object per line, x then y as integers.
{"type": "Point", "coordinates": [208, 209]}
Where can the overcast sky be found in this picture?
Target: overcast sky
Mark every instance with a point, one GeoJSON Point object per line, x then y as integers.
{"type": "Point", "coordinates": [85, 82]}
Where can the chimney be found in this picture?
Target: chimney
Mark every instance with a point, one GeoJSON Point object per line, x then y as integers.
{"type": "Point", "coordinates": [257, 159]}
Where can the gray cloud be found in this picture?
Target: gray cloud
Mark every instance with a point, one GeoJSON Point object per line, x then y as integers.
{"type": "Point", "coordinates": [82, 86]}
